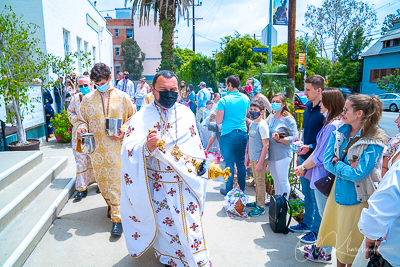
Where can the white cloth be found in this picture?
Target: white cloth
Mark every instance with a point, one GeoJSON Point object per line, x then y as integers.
{"type": "Point", "coordinates": [382, 218]}
{"type": "Point", "coordinates": [279, 171]}
{"type": "Point", "coordinates": [127, 87]}
{"type": "Point", "coordinates": [205, 135]}
{"type": "Point", "coordinates": [161, 201]}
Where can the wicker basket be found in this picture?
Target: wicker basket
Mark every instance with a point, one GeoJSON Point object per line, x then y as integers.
{"type": "Point", "coordinates": [239, 206]}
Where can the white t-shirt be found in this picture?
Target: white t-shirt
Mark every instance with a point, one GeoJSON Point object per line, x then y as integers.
{"type": "Point", "coordinates": [257, 132]}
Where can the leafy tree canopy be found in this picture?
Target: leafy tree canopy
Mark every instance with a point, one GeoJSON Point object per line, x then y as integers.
{"type": "Point", "coordinates": [236, 56]}
{"type": "Point", "coordinates": [352, 46]}
{"type": "Point", "coordinates": [199, 68]}
{"type": "Point", "coordinates": [181, 56]}
{"type": "Point", "coordinates": [133, 57]}
{"type": "Point", "coordinates": [333, 21]}
{"type": "Point", "coordinates": [345, 74]}
{"type": "Point", "coordinates": [389, 20]}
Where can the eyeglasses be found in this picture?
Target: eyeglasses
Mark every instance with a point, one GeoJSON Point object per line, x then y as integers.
{"type": "Point", "coordinates": [84, 85]}
{"type": "Point", "coordinates": [345, 110]}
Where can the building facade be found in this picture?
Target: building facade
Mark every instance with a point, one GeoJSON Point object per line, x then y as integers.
{"type": "Point", "coordinates": [147, 36]}
{"type": "Point", "coordinates": [380, 60]}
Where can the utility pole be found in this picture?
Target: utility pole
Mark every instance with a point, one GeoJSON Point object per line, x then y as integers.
{"type": "Point", "coordinates": [291, 57]}
{"type": "Point", "coordinates": [194, 24]}
{"type": "Point", "coordinates": [270, 33]}
{"type": "Point", "coordinates": [214, 52]}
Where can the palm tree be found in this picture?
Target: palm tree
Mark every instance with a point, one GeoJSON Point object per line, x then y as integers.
{"type": "Point", "coordinates": [164, 11]}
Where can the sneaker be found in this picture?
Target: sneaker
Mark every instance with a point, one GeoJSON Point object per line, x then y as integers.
{"type": "Point", "coordinates": [251, 205]}
{"type": "Point", "coordinates": [257, 211]}
{"type": "Point", "coordinates": [309, 238]}
{"type": "Point", "coordinates": [318, 256]}
{"type": "Point", "coordinates": [310, 248]}
{"type": "Point", "coordinates": [301, 227]}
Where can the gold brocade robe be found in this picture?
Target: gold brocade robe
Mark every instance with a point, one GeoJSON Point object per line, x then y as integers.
{"type": "Point", "coordinates": [106, 158]}
{"type": "Point", "coordinates": [149, 98]}
{"type": "Point", "coordinates": [85, 175]}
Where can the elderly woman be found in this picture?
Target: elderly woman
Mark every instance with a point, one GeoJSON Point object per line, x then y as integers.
{"type": "Point", "coordinates": [354, 155]}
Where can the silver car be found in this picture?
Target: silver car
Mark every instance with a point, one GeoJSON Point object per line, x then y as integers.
{"type": "Point", "coordinates": [391, 101]}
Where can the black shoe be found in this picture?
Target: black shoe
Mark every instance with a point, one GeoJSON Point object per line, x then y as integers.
{"type": "Point", "coordinates": [223, 192]}
{"type": "Point", "coordinates": [80, 195]}
{"type": "Point", "coordinates": [98, 191]}
{"type": "Point", "coordinates": [166, 265]}
{"type": "Point", "coordinates": [116, 229]}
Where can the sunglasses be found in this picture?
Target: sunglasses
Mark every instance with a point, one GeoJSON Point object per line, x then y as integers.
{"type": "Point", "coordinates": [345, 110]}
{"type": "Point", "coordinates": [84, 85]}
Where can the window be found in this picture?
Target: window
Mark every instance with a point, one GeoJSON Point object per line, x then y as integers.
{"type": "Point", "coordinates": [129, 33]}
{"type": "Point", "coordinates": [79, 50]}
{"type": "Point", "coordinates": [379, 74]}
{"type": "Point", "coordinates": [376, 74]}
{"type": "Point", "coordinates": [118, 69]}
{"type": "Point", "coordinates": [117, 51]}
{"type": "Point", "coordinates": [116, 33]}
{"type": "Point", "coordinates": [67, 49]}
{"type": "Point", "coordinates": [85, 47]}
{"type": "Point", "coordinates": [383, 72]}
{"type": "Point", "coordinates": [390, 96]}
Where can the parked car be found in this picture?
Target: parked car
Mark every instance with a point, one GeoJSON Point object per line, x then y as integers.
{"type": "Point", "coordinates": [346, 91]}
{"type": "Point", "coordinates": [391, 101]}
{"type": "Point", "coordinates": [300, 100]}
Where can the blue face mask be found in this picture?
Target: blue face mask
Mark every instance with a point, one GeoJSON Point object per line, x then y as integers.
{"type": "Point", "coordinates": [254, 114]}
{"type": "Point", "coordinates": [126, 77]}
{"type": "Point", "coordinates": [85, 90]}
{"type": "Point", "coordinates": [102, 88]}
{"type": "Point", "coordinates": [276, 106]}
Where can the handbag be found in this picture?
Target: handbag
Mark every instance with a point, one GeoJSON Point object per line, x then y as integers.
{"type": "Point", "coordinates": [324, 184]}
{"type": "Point", "coordinates": [376, 260]}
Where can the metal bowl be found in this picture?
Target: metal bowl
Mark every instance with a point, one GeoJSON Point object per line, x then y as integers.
{"type": "Point", "coordinates": [112, 126]}
{"type": "Point", "coordinates": [87, 143]}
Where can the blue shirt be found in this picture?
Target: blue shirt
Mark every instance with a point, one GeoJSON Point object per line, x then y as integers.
{"type": "Point", "coordinates": [345, 190]}
{"type": "Point", "coordinates": [313, 121]}
{"type": "Point", "coordinates": [235, 106]}
{"type": "Point", "coordinates": [204, 96]}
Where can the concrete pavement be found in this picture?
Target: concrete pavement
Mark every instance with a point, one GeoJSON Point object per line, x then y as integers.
{"type": "Point", "coordinates": [80, 236]}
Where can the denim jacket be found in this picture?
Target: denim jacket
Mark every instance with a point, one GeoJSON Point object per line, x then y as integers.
{"type": "Point", "coordinates": [347, 176]}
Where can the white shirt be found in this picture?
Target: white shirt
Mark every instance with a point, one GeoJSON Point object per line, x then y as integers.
{"type": "Point", "coordinates": [127, 87]}
{"type": "Point", "coordinates": [382, 218]}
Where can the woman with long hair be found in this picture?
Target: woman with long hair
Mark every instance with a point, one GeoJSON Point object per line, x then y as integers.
{"type": "Point", "coordinates": [283, 131]}
{"type": "Point", "coordinates": [354, 155]}
{"type": "Point", "coordinates": [332, 104]}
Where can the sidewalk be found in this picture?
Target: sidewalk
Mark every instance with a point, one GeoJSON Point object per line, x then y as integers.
{"type": "Point", "coordinates": [80, 236]}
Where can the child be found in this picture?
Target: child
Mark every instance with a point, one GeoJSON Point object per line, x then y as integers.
{"type": "Point", "coordinates": [257, 154]}
{"type": "Point", "coordinates": [207, 112]}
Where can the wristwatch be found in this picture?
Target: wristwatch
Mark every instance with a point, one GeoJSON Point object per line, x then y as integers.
{"type": "Point", "coordinates": [304, 168]}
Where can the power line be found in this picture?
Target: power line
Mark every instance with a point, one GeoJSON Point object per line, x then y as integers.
{"type": "Point", "coordinates": [208, 38]}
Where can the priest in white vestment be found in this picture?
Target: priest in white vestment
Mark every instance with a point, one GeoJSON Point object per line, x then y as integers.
{"type": "Point", "coordinates": [162, 197]}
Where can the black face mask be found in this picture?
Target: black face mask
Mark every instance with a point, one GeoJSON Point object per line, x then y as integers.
{"type": "Point", "coordinates": [167, 98]}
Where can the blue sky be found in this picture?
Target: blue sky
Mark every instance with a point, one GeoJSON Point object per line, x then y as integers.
{"type": "Point", "coordinates": [224, 17]}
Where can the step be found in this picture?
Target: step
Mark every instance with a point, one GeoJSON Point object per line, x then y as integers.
{"type": "Point", "coordinates": [18, 239]}
{"type": "Point", "coordinates": [19, 194]}
{"type": "Point", "coordinates": [15, 164]}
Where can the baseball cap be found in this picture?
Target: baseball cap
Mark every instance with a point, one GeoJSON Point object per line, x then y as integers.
{"type": "Point", "coordinates": [202, 84]}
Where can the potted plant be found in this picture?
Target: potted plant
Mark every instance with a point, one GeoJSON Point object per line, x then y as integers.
{"type": "Point", "coordinates": [22, 64]}
{"type": "Point", "coordinates": [62, 127]}
{"type": "Point", "coordinates": [269, 184]}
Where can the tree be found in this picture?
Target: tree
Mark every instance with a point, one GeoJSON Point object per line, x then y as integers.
{"type": "Point", "coordinates": [315, 64]}
{"type": "Point", "coordinates": [181, 56]}
{"type": "Point", "coordinates": [390, 83]}
{"type": "Point", "coordinates": [389, 21]}
{"type": "Point", "coordinates": [199, 68]}
{"type": "Point", "coordinates": [236, 56]}
{"type": "Point", "coordinates": [352, 45]}
{"type": "Point", "coordinates": [166, 11]}
{"type": "Point", "coordinates": [336, 18]}
{"type": "Point", "coordinates": [133, 57]}
{"type": "Point", "coordinates": [21, 62]}
{"type": "Point", "coordinates": [347, 72]}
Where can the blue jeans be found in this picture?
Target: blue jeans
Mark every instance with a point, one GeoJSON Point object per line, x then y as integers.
{"type": "Point", "coordinates": [311, 215]}
{"type": "Point", "coordinates": [233, 148]}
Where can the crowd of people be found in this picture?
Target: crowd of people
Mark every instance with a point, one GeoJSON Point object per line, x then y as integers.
{"type": "Point", "coordinates": [155, 198]}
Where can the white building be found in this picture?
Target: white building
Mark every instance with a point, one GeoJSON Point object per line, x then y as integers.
{"type": "Point", "coordinates": [68, 26]}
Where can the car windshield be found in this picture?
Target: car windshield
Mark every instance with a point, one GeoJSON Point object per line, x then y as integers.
{"type": "Point", "coordinates": [303, 99]}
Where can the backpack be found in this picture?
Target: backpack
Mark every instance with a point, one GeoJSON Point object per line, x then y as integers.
{"type": "Point", "coordinates": [278, 208]}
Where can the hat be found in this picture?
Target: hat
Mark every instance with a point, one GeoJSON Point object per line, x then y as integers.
{"type": "Point", "coordinates": [202, 84]}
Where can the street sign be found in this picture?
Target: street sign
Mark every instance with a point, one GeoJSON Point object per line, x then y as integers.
{"type": "Point", "coordinates": [260, 50]}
